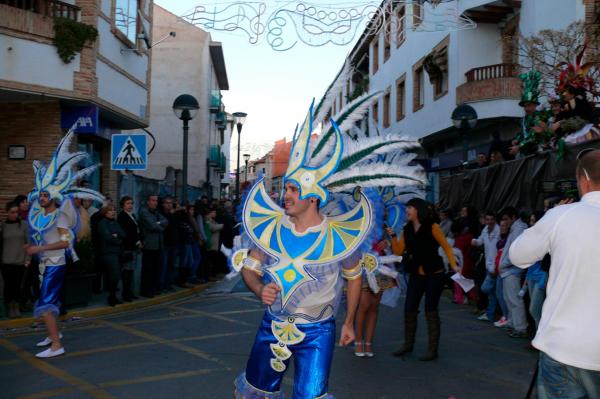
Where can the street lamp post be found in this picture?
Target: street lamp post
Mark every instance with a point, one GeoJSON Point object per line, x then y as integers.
{"type": "Point", "coordinates": [246, 159]}
{"type": "Point", "coordinates": [238, 118]}
{"type": "Point", "coordinates": [464, 118]}
{"type": "Point", "coordinates": [185, 108]}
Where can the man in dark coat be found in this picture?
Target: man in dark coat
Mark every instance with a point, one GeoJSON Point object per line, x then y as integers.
{"type": "Point", "coordinates": [131, 246]}
{"type": "Point", "coordinates": [152, 225]}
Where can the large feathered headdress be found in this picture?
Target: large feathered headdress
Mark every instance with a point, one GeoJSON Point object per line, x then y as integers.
{"type": "Point", "coordinates": [576, 75]}
{"type": "Point", "coordinates": [334, 160]}
{"type": "Point", "coordinates": [59, 176]}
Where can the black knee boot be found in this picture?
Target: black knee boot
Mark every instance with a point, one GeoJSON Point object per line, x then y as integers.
{"type": "Point", "coordinates": [410, 330]}
{"type": "Point", "coordinates": [433, 332]}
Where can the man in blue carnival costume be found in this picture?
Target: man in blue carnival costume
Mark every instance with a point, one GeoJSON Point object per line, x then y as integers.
{"type": "Point", "coordinates": [53, 222]}
{"type": "Point", "coordinates": [298, 255]}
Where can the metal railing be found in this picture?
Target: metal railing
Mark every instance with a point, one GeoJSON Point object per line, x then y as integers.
{"type": "Point", "coordinates": [491, 72]}
{"type": "Point", "coordinates": [50, 8]}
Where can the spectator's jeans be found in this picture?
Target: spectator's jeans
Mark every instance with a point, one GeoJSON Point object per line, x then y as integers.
{"type": "Point", "coordinates": [537, 296]}
{"type": "Point", "coordinates": [500, 297]}
{"type": "Point", "coordinates": [557, 380]}
{"type": "Point", "coordinates": [196, 258]}
{"type": "Point", "coordinates": [418, 285]}
{"type": "Point", "coordinates": [489, 288]}
{"type": "Point", "coordinates": [167, 268]}
{"type": "Point", "coordinates": [150, 271]}
{"type": "Point", "coordinates": [517, 317]}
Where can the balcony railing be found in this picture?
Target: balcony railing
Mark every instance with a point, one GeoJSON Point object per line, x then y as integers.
{"type": "Point", "coordinates": [50, 8]}
{"type": "Point", "coordinates": [492, 72]}
{"type": "Point", "coordinates": [215, 101]}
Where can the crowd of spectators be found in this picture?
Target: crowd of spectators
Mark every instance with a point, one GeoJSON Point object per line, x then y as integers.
{"type": "Point", "coordinates": [504, 295]}
{"type": "Point", "coordinates": [165, 243]}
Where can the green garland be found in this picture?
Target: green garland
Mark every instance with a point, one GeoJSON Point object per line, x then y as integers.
{"type": "Point", "coordinates": [70, 37]}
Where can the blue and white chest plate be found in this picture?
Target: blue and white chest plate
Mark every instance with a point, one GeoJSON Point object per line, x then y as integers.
{"type": "Point", "coordinates": [39, 222]}
{"type": "Point", "coordinates": [298, 256]}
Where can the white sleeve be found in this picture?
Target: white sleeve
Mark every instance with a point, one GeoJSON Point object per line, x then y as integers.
{"type": "Point", "coordinates": [534, 243]}
{"type": "Point", "coordinates": [63, 222]}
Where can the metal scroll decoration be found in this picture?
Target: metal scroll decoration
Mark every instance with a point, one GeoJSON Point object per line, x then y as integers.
{"type": "Point", "coordinates": [292, 22]}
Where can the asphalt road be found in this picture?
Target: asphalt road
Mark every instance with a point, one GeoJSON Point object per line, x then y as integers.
{"type": "Point", "coordinates": [194, 348]}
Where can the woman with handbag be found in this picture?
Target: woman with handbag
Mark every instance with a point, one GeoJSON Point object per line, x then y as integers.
{"type": "Point", "coordinates": [111, 244]}
{"type": "Point", "coordinates": [419, 243]}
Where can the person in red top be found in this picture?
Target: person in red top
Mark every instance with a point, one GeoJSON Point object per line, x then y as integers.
{"type": "Point", "coordinates": [462, 241]}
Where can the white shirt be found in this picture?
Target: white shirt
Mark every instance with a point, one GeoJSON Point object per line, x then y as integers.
{"type": "Point", "coordinates": [489, 239]}
{"type": "Point", "coordinates": [569, 330]}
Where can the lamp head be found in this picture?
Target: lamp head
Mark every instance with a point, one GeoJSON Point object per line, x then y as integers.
{"type": "Point", "coordinates": [185, 107]}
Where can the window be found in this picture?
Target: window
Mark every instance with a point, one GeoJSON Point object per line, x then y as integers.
{"type": "Point", "coordinates": [387, 33]}
{"type": "Point", "coordinates": [400, 97]}
{"type": "Point", "coordinates": [400, 25]}
{"type": "Point", "coordinates": [436, 66]}
{"type": "Point", "coordinates": [440, 86]}
{"type": "Point", "coordinates": [386, 109]}
{"type": "Point", "coordinates": [126, 18]}
{"type": "Point", "coordinates": [417, 13]}
{"type": "Point", "coordinates": [418, 88]}
{"type": "Point", "coordinates": [341, 100]}
{"type": "Point", "coordinates": [375, 55]}
{"type": "Point", "coordinates": [376, 112]}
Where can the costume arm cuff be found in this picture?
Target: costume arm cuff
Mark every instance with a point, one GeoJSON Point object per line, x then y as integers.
{"type": "Point", "coordinates": [353, 273]}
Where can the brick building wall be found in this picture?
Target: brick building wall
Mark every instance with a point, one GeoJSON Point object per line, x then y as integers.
{"type": "Point", "coordinates": [37, 127]}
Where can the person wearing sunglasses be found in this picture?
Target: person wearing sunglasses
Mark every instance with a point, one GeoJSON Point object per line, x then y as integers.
{"type": "Point", "coordinates": [567, 336]}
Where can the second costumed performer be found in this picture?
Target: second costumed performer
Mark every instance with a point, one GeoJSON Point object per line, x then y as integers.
{"type": "Point", "coordinates": [298, 256]}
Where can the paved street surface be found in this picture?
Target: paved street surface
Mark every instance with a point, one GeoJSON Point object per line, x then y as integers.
{"type": "Point", "coordinates": [194, 348]}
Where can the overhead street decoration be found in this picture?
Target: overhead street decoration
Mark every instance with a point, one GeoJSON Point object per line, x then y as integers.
{"type": "Point", "coordinates": [284, 26]}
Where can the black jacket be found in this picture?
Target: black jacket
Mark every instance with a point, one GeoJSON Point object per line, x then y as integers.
{"type": "Point", "coordinates": [111, 237]}
{"type": "Point", "coordinates": [132, 234]}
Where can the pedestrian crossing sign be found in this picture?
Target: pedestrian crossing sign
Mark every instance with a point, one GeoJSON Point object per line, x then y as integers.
{"type": "Point", "coordinates": [128, 152]}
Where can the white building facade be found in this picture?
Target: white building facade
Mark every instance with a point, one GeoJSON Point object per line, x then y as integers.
{"type": "Point", "coordinates": [425, 75]}
{"type": "Point", "coordinates": [189, 63]}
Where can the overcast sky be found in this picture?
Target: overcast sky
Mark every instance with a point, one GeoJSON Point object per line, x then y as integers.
{"type": "Point", "coordinates": [274, 88]}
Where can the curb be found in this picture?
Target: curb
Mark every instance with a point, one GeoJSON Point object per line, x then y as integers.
{"type": "Point", "coordinates": [106, 310]}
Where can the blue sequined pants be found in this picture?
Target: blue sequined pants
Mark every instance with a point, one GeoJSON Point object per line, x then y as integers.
{"type": "Point", "coordinates": [312, 361]}
{"type": "Point", "coordinates": [52, 282]}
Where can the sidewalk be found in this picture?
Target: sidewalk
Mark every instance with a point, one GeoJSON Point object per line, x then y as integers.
{"type": "Point", "coordinates": [98, 307]}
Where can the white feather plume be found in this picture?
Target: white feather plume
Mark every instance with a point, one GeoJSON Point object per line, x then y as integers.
{"type": "Point", "coordinates": [344, 126]}
{"type": "Point", "coordinates": [390, 176]}
{"type": "Point", "coordinates": [333, 93]}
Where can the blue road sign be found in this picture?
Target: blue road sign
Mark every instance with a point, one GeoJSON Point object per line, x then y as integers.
{"type": "Point", "coordinates": [128, 152]}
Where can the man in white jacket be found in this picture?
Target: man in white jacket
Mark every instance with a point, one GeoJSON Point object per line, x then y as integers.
{"type": "Point", "coordinates": [488, 239]}
{"type": "Point", "coordinates": [568, 336]}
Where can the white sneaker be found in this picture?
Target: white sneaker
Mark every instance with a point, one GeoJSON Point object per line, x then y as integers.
{"type": "Point", "coordinates": [47, 341]}
{"type": "Point", "coordinates": [501, 323]}
{"type": "Point", "coordinates": [483, 317]}
{"type": "Point", "coordinates": [50, 353]}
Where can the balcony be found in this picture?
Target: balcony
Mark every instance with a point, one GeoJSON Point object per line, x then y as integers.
{"type": "Point", "coordinates": [215, 101]}
{"type": "Point", "coordinates": [48, 8]}
{"type": "Point", "coordinates": [490, 82]}
{"type": "Point", "coordinates": [35, 17]}
{"type": "Point", "coordinates": [214, 156]}
{"type": "Point", "coordinates": [222, 163]}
